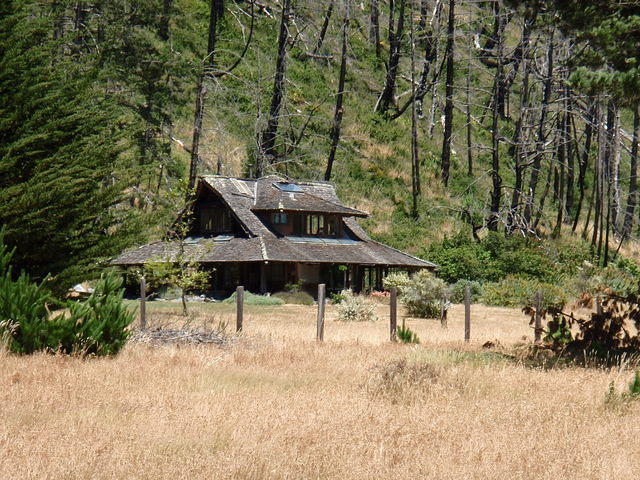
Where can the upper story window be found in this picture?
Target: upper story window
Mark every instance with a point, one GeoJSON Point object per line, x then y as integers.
{"type": "Point", "coordinates": [316, 225]}
{"type": "Point", "coordinates": [279, 218]}
{"type": "Point", "coordinates": [215, 219]}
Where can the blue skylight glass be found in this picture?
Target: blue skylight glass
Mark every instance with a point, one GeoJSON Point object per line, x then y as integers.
{"type": "Point", "coordinates": [287, 187]}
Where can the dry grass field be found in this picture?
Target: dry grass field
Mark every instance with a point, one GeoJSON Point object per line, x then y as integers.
{"type": "Point", "coordinates": [276, 404]}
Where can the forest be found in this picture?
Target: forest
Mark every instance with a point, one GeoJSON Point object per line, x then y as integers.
{"type": "Point", "coordinates": [470, 130]}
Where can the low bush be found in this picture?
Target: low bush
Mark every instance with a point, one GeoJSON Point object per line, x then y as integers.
{"type": "Point", "coordinates": [253, 299]}
{"type": "Point", "coordinates": [516, 291]}
{"type": "Point", "coordinates": [355, 308]}
{"type": "Point", "coordinates": [406, 335]}
{"type": "Point", "coordinates": [456, 291]}
{"type": "Point", "coordinates": [295, 298]}
{"type": "Point", "coordinates": [400, 280]}
{"type": "Point", "coordinates": [96, 326]}
{"type": "Point", "coordinates": [422, 295]}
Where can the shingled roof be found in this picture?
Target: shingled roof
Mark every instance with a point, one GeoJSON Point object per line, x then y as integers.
{"type": "Point", "coordinates": [246, 198]}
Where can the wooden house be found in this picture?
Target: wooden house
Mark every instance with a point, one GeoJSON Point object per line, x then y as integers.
{"type": "Point", "coordinates": [268, 232]}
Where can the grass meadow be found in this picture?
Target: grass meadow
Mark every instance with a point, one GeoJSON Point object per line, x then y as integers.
{"type": "Point", "coordinates": [275, 404]}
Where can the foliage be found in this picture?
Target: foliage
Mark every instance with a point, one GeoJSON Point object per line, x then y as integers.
{"type": "Point", "coordinates": [293, 287]}
{"type": "Point", "coordinates": [253, 299]}
{"type": "Point", "coordinates": [355, 308]}
{"type": "Point", "coordinates": [63, 143]}
{"type": "Point", "coordinates": [603, 334]}
{"type": "Point", "coordinates": [337, 297]}
{"type": "Point", "coordinates": [516, 291]}
{"type": "Point", "coordinates": [406, 335]}
{"type": "Point", "coordinates": [496, 256]}
{"type": "Point", "coordinates": [400, 280]}
{"type": "Point", "coordinates": [457, 291]}
{"type": "Point", "coordinates": [295, 298]}
{"type": "Point", "coordinates": [423, 294]}
{"type": "Point", "coordinates": [97, 326]}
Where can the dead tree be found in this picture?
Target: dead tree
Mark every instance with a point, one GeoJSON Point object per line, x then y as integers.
{"type": "Point", "coordinates": [415, 162]}
{"type": "Point", "coordinates": [536, 164]}
{"type": "Point", "coordinates": [496, 179]}
{"type": "Point", "coordinates": [216, 13]}
{"type": "Point", "coordinates": [374, 31]}
{"type": "Point", "coordinates": [445, 164]}
{"type": "Point", "coordinates": [395, 36]}
{"type": "Point", "coordinates": [632, 198]}
{"type": "Point", "coordinates": [339, 110]}
{"type": "Point", "coordinates": [325, 26]}
{"type": "Point", "coordinates": [268, 141]}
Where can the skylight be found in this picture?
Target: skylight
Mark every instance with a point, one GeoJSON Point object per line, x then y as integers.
{"type": "Point", "coordinates": [287, 187]}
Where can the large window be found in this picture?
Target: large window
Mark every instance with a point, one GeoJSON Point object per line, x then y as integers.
{"type": "Point", "coordinates": [316, 225]}
{"type": "Point", "coordinates": [215, 219]}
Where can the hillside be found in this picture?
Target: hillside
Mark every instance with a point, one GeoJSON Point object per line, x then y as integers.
{"type": "Point", "coordinates": [542, 140]}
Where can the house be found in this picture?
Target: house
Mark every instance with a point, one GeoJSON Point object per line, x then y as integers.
{"type": "Point", "coordinates": [268, 232]}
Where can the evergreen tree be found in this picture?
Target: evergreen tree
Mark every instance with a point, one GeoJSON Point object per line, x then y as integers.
{"type": "Point", "coordinates": [62, 142]}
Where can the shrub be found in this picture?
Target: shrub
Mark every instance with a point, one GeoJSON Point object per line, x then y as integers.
{"type": "Point", "coordinates": [406, 335]}
{"type": "Point", "coordinates": [400, 280]}
{"type": "Point", "coordinates": [517, 291]}
{"type": "Point", "coordinates": [253, 299]}
{"type": "Point", "coordinates": [456, 291]}
{"type": "Point", "coordinates": [423, 294]}
{"type": "Point", "coordinates": [295, 298]}
{"type": "Point", "coordinates": [96, 326]}
{"type": "Point", "coordinates": [337, 297]}
{"type": "Point", "coordinates": [355, 308]}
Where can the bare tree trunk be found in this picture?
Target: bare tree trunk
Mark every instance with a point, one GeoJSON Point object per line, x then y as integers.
{"type": "Point", "coordinates": [325, 26]}
{"type": "Point", "coordinates": [448, 107]}
{"type": "Point", "coordinates": [616, 213]}
{"type": "Point", "coordinates": [468, 117]}
{"type": "Point", "coordinates": [395, 35]}
{"type": "Point", "coordinates": [216, 13]}
{"type": "Point", "coordinates": [268, 143]}
{"type": "Point", "coordinates": [537, 160]}
{"type": "Point", "coordinates": [632, 199]}
{"type": "Point", "coordinates": [374, 32]}
{"type": "Point", "coordinates": [588, 133]}
{"type": "Point", "coordinates": [496, 179]}
{"type": "Point", "coordinates": [339, 111]}
{"type": "Point", "coordinates": [518, 151]}
{"type": "Point", "coordinates": [415, 162]}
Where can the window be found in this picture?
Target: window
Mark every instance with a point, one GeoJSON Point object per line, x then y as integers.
{"type": "Point", "coordinates": [315, 225]}
{"type": "Point", "coordinates": [279, 218]}
{"type": "Point", "coordinates": [215, 219]}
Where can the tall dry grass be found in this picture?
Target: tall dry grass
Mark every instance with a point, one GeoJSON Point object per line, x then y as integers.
{"type": "Point", "coordinates": [276, 404]}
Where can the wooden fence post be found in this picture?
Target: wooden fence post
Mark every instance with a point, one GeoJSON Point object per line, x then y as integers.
{"type": "Point", "coordinates": [239, 307]}
{"type": "Point", "coordinates": [467, 313]}
{"type": "Point", "coordinates": [444, 307]}
{"type": "Point", "coordinates": [143, 303]}
{"type": "Point", "coordinates": [393, 313]}
{"type": "Point", "coordinates": [321, 304]}
{"type": "Point", "coordinates": [537, 329]}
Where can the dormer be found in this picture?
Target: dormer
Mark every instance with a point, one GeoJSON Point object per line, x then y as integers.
{"type": "Point", "coordinates": [290, 210]}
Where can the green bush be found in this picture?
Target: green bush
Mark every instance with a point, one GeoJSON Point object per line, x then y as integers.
{"type": "Point", "coordinates": [456, 291]}
{"type": "Point", "coordinates": [400, 280]}
{"type": "Point", "coordinates": [406, 335]}
{"type": "Point", "coordinates": [497, 256]}
{"type": "Point", "coordinates": [96, 326]}
{"type": "Point", "coordinates": [253, 299]}
{"type": "Point", "coordinates": [423, 295]}
{"type": "Point", "coordinates": [295, 298]}
{"type": "Point", "coordinates": [355, 308]}
{"type": "Point", "coordinates": [518, 291]}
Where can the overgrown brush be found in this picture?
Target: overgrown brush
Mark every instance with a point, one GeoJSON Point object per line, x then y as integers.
{"type": "Point", "coordinates": [421, 293]}
{"type": "Point", "coordinates": [96, 326]}
{"type": "Point", "coordinates": [355, 308]}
